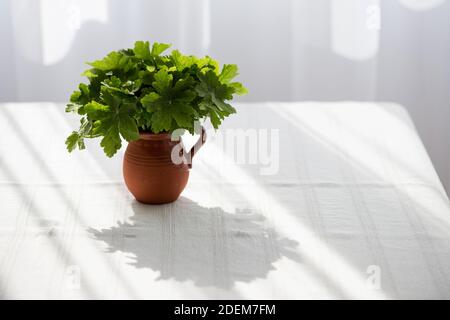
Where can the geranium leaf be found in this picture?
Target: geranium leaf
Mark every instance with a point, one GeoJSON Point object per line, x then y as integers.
{"type": "Point", "coordinates": [144, 89]}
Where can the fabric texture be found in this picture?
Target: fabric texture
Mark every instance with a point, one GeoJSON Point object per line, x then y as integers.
{"type": "Point", "coordinates": [332, 200]}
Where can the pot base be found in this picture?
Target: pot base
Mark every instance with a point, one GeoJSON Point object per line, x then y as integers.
{"type": "Point", "coordinates": [156, 203]}
{"type": "Point", "coordinates": [155, 185]}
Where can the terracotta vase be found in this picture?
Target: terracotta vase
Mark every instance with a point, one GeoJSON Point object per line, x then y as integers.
{"type": "Point", "coordinates": [156, 169]}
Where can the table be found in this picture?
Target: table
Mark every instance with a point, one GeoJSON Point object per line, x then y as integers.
{"type": "Point", "coordinates": [332, 200]}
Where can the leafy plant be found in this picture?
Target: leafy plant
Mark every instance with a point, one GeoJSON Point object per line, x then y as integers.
{"type": "Point", "coordinates": [141, 90]}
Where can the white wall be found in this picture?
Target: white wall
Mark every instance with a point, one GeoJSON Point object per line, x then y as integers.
{"type": "Point", "coordinates": [414, 70]}
{"type": "Point", "coordinates": [286, 49]}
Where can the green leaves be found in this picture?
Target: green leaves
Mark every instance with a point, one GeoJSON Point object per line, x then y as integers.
{"type": "Point", "coordinates": [170, 106]}
{"type": "Point", "coordinates": [72, 141]}
{"type": "Point", "coordinates": [76, 139]}
{"type": "Point", "coordinates": [142, 49]}
{"type": "Point", "coordinates": [180, 61]}
{"type": "Point", "coordinates": [111, 140]}
{"type": "Point", "coordinates": [129, 87]}
{"type": "Point", "coordinates": [161, 120]}
{"type": "Point", "coordinates": [149, 101]}
{"type": "Point", "coordinates": [113, 61]}
{"type": "Point", "coordinates": [159, 48]}
{"type": "Point", "coordinates": [229, 71]}
{"type": "Point", "coordinates": [78, 99]}
{"type": "Point", "coordinates": [113, 117]}
{"type": "Point", "coordinates": [238, 88]}
{"type": "Point", "coordinates": [118, 119]}
{"type": "Point", "coordinates": [141, 89]}
{"type": "Point", "coordinates": [97, 111]}
{"type": "Point", "coordinates": [214, 95]}
{"type": "Point", "coordinates": [163, 81]}
{"type": "Point", "coordinates": [128, 128]}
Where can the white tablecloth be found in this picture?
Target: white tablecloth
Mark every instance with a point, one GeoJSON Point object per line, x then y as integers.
{"type": "Point", "coordinates": [348, 205]}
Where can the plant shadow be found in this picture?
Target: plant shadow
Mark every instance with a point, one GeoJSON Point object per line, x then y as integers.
{"type": "Point", "coordinates": [211, 247]}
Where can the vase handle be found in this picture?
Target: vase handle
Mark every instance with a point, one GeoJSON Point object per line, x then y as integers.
{"type": "Point", "coordinates": [201, 140]}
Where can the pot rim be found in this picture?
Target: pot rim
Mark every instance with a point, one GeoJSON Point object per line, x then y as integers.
{"type": "Point", "coordinates": [155, 136]}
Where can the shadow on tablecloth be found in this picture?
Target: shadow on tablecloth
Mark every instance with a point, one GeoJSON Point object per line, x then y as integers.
{"type": "Point", "coordinates": [185, 241]}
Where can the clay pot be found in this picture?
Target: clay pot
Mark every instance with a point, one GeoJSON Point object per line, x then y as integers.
{"type": "Point", "coordinates": [156, 169]}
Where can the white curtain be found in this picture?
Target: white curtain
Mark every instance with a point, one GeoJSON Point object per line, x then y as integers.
{"type": "Point", "coordinates": [371, 50]}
